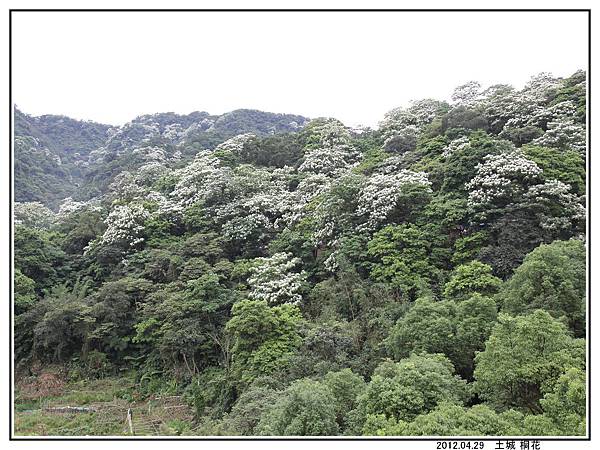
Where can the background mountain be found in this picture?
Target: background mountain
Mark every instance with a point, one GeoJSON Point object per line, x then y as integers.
{"type": "Point", "coordinates": [58, 157]}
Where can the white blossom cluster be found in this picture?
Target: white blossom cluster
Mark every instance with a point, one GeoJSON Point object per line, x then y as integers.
{"type": "Point", "coordinates": [32, 144]}
{"type": "Point", "coordinates": [33, 214]}
{"type": "Point", "coordinates": [195, 128]}
{"type": "Point", "coordinates": [381, 194]}
{"type": "Point", "coordinates": [296, 202]}
{"type": "Point", "coordinates": [405, 124]}
{"type": "Point", "coordinates": [328, 133]}
{"type": "Point", "coordinates": [512, 178]}
{"type": "Point", "coordinates": [467, 94]}
{"type": "Point", "coordinates": [97, 156]}
{"type": "Point", "coordinates": [333, 211]}
{"type": "Point", "coordinates": [241, 227]}
{"type": "Point", "coordinates": [419, 114]}
{"type": "Point", "coordinates": [150, 153]}
{"type": "Point", "coordinates": [563, 111]}
{"type": "Point", "coordinates": [331, 263]}
{"type": "Point", "coordinates": [527, 108]}
{"type": "Point", "coordinates": [330, 160]}
{"type": "Point", "coordinates": [124, 187]}
{"type": "Point", "coordinates": [53, 157]}
{"type": "Point", "coordinates": [329, 225]}
{"type": "Point", "coordinates": [501, 176]}
{"type": "Point", "coordinates": [424, 111]}
{"type": "Point", "coordinates": [148, 173]}
{"type": "Point", "coordinates": [69, 206]}
{"type": "Point", "coordinates": [562, 130]}
{"type": "Point", "coordinates": [167, 208]}
{"type": "Point", "coordinates": [133, 133]}
{"type": "Point", "coordinates": [125, 225]}
{"type": "Point", "coordinates": [329, 151]}
{"type": "Point", "coordinates": [173, 132]}
{"type": "Point", "coordinates": [243, 217]}
{"type": "Point", "coordinates": [541, 86]}
{"type": "Point", "coordinates": [392, 164]}
{"type": "Point", "coordinates": [498, 103]}
{"type": "Point", "coordinates": [274, 280]}
{"type": "Point", "coordinates": [235, 145]}
{"type": "Point", "coordinates": [259, 201]}
{"type": "Point", "coordinates": [564, 134]}
{"type": "Point", "coordinates": [311, 186]}
{"type": "Point", "coordinates": [455, 145]}
{"type": "Point", "coordinates": [553, 193]}
{"type": "Point", "coordinates": [26, 141]}
{"type": "Point", "coordinates": [202, 179]}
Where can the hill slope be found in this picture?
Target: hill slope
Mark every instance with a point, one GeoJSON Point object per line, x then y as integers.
{"type": "Point", "coordinates": [57, 157]}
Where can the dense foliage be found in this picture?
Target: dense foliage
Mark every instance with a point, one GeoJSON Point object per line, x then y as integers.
{"type": "Point", "coordinates": [300, 277]}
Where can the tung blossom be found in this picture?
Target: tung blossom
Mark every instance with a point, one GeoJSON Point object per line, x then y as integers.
{"type": "Point", "coordinates": [383, 191]}
{"type": "Point", "coordinates": [329, 160]}
{"type": "Point", "coordinates": [125, 225]}
{"type": "Point", "coordinates": [501, 176]}
{"type": "Point", "coordinates": [200, 180]}
{"type": "Point", "coordinates": [275, 281]}
{"type": "Point", "coordinates": [33, 214]}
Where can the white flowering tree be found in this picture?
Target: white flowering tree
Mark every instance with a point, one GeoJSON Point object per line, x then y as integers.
{"type": "Point", "coordinates": [508, 182]}
{"type": "Point", "coordinates": [164, 207]}
{"type": "Point", "coordinates": [541, 87]}
{"type": "Point", "coordinates": [148, 173]}
{"type": "Point", "coordinates": [559, 121]}
{"type": "Point", "coordinates": [235, 145]}
{"type": "Point", "coordinates": [69, 206]}
{"type": "Point", "coordinates": [497, 104]}
{"type": "Point", "coordinates": [455, 145]}
{"type": "Point", "coordinates": [564, 135]}
{"type": "Point", "coordinates": [150, 154]}
{"type": "Point", "coordinates": [401, 127]}
{"type": "Point", "coordinates": [330, 161]}
{"type": "Point", "coordinates": [125, 226]}
{"type": "Point", "coordinates": [328, 150]}
{"type": "Point", "coordinates": [383, 192]}
{"type": "Point", "coordinates": [124, 188]}
{"type": "Point", "coordinates": [419, 114]}
{"type": "Point", "coordinates": [334, 211]}
{"type": "Point", "coordinates": [276, 280]}
{"type": "Point", "coordinates": [202, 180]}
{"type": "Point", "coordinates": [533, 114]}
{"type": "Point", "coordinates": [557, 208]}
{"type": "Point", "coordinates": [500, 178]}
{"type": "Point", "coordinates": [327, 133]}
{"type": "Point", "coordinates": [467, 94]}
{"type": "Point", "coordinates": [308, 189]}
{"type": "Point", "coordinates": [521, 108]}
{"type": "Point", "coordinates": [33, 214]}
{"type": "Point", "coordinates": [258, 199]}
{"type": "Point", "coordinates": [426, 110]}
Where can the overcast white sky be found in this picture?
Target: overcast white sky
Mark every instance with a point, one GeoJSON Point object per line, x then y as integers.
{"type": "Point", "coordinates": [112, 67]}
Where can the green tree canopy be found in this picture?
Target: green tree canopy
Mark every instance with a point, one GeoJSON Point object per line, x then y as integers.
{"type": "Point", "coordinates": [552, 277]}
{"type": "Point", "coordinates": [305, 408]}
{"type": "Point", "coordinates": [412, 386]}
{"type": "Point", "coordinates": [471, 278]}
{"type": "Point", "coordinates": [523, 359]}
{"type": "Point", "coordinates": [264, 337]}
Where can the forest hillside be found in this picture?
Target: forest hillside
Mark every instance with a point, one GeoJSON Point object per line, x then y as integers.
{"type": "Point", "coordinates": [287, 276]}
